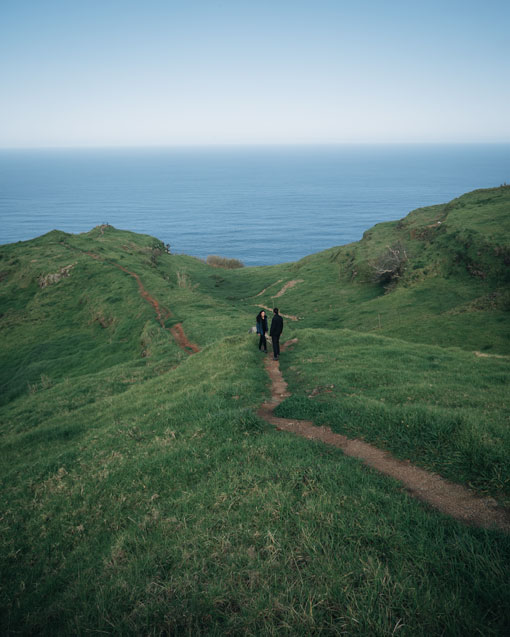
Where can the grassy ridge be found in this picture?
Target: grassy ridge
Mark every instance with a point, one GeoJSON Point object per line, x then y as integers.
{"type": "Point", "coordinates": [142, 495]}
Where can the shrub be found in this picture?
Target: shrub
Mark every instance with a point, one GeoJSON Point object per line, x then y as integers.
{"type": "Point", "coordinates": [222, 262]}
{"type": "Point", "coordinates": [389, 266]}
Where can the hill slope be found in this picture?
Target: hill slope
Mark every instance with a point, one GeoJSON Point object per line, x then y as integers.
{"type": "Point", "coordinates": [449, 287]}
{"type": "Point", "coordinates": [142, 494]}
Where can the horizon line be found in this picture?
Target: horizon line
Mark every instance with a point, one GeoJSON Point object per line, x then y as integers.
{"type": "Point", "coordinates": [196, 145]}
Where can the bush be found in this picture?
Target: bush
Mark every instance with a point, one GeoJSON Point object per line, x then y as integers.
{"type": "Point", "coordinates": [222, 262]}
{"type": "Point", "coordinates": [388, 267]}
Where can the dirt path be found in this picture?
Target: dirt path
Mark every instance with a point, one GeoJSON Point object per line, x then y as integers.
{"type": "Point", "coordinates": [269, 286]}
{"type": "Point", "coordinates": [162, 313]}
{"type": "Point", "coordinates": [287, 286]}
{"type": "Point", "coordinates": [483, 355]}
{"type": "Point", "coordinates": [450, 498]}
{"type": "Point", "coordinates": [182, 340]}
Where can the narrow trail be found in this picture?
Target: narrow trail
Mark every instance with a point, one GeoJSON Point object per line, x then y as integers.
{"type": "Point", "coordinates": [287, 286]}
{"type": "Point", "coordinates": [162, 313]}
{"type": "Point", "coordinates": [269, 286]}
{"type": "Point", "coordinates": [182, 340]}
{"type": "Point", "coordinates": [484, 355]}
{"type": "Point", "coordinates": [281, 292]}
{"type": "Point", "coordinates": [447, 497]}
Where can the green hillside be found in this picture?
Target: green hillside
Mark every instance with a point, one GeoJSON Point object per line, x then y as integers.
{"type": "Point", "coordinates": [141, 493]}
{"type": "Point", "coordinates": [451, 286]}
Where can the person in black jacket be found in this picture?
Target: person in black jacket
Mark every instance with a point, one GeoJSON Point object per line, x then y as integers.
{"type": "Point", "coordinates": [262, 330]}
{"type": "Point", "coordinates": [276, 330]}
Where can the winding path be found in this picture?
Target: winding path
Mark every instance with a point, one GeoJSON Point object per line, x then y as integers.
{"type": "Point", "coordinates": [269, 286]}
{"type": "Point", "coordinates": [447, 497]}
{"type": "Point", "coordinates": [287, 286]}
{"type": "Point", "coordinates": [162, 313]}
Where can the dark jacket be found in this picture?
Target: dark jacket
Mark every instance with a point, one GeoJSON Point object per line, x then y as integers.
{"type": "Point", "coordinates": [276, 325]}
{"type": "Point", "coordinates": [261, 324]}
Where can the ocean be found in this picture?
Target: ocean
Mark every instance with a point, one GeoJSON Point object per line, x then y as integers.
{"type": "Point", "coordinates": [262, 205]}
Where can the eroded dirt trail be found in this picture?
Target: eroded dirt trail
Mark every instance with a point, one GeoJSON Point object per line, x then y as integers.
{"type": "Point", "coordinates": [281, 292]}
{"type": "Point", "coordinates": [485, 355]}
{"type": "Point", "coordinates": [162, 313]}
{"type": "Point", "coordinates": [262, 292]}
{"type": "Point", "coordinates": [448, 497]}
{"type": "Point", "coordinates": [289, 285]}
{"type": "Point", "coordinates": [177, 332]}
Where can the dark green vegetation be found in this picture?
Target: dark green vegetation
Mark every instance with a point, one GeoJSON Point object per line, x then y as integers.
{"type": "Point", "coordinates": [142, 495]}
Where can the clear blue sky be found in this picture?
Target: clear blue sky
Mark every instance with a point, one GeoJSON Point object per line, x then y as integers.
{"type": "Point", "coordinates": [123, 73]}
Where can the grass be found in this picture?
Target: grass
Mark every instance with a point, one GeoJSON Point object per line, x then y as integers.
{"type": "Point", "coordinates": [445, 409]}
{"type": "Point", "coordinates": [172, 508]}
{"type": "Point", "coordinates": [141, 494]}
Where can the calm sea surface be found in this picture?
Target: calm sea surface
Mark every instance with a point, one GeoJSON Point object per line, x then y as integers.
{"type": "Point", "coordinates": [262, 205]}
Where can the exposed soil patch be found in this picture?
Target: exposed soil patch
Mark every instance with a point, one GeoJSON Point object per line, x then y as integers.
{"type": "Point", "coordinates": [483, 355]}
{"type": "Point", "coordinates": [448, 497]}
{"type": "Point", "coordinates": [287, 286]}
{"type": "Point", "coordinates": [50, 279]}
{"type": "Point", "coordinates": [182, 340]}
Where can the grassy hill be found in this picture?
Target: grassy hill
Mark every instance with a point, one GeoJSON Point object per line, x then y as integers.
{"type": "Point", "coordinates": [141, 494]}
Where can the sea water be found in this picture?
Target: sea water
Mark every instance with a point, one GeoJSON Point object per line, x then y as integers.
{"type": "Point", "coordinates": [262, 205]}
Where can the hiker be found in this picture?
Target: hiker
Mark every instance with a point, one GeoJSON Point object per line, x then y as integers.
{"type": "Point", "coordinates": [262, 330]}
{"type": "Point", "coordinates": [276, 330]}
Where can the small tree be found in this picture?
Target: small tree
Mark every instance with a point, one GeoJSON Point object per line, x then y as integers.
{"type": "Point", "coordinates": [157, 249]}
{"type": "Point", "coordinates": [389, 266]}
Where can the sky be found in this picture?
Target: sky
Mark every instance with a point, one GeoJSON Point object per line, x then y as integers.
{"type": "Point", "coordinates": [206, 72]}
